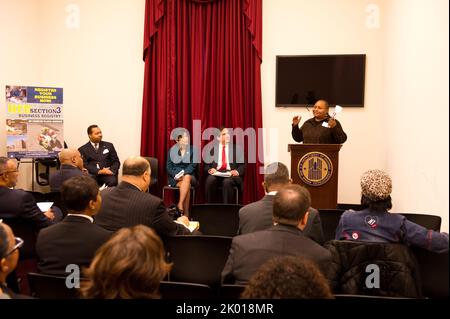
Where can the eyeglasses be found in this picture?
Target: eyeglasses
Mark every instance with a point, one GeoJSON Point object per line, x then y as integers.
{"type": "Point", "coordinates": [19, 243]}
{"type": "Point", "coordinates": [7, 172]}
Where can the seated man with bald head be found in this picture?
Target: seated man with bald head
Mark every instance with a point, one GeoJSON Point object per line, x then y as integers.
{"type": "Point", "coordinates": [71, 166]}
{"type": "Point", "coordinates": [129, 204]}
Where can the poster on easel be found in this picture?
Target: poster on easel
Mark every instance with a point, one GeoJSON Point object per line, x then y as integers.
{"type": "Point", "coordinates": [34, 121]}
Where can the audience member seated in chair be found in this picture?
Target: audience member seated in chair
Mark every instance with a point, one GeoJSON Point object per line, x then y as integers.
{"type": "Point", "coordinates": [128, 266]}
{"type": "Point", "coordinates": [9, 256]}
{"type": "Point", "coordinates": [100, 158]}
{"type": "Point", "coordinates": [376, 224]}
{"type": "Point", "coordinates": [18, 203]}
{"type": "Point", "coordinates": [258, 215]}
{"type": "Point", "coordinates": [75, 239]}
{"type": "Point", "coordinates": [71, 166]}
{"type": "Point", "coordinates": [224, 167]}
{"type": "Point", "coordinates": [181, 169]}
{"type": "Point", "coordinates": [129, 204]}
{"type": "Point", "coordinates": [288, 277]}
{"type": "Point", "coordinates": [290, 214]}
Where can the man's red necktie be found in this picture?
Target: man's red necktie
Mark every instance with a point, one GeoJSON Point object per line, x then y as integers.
{"type": "Point", "coordinates": [224, 160]}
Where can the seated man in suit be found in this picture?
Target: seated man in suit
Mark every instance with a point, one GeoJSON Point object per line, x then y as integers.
{"type": "Point", "coordinates": [71, 166]}
{"type": "Point", "coordinates": [224, 158]}
{"type": "Point", "coordinates": [17, 202]}
{"type": "Point", "coordinates": [129, 204]}
{"type": "Point", "coordinates": [258, 215]}
{"type": "Point", "coordinates": [76, 238]}
{"type": "Point", "coordinates": [100, 158]}
{"type": "Point", "coordinates": [9, 256]}
{"type": "Point", "coordinates": [290, 214]}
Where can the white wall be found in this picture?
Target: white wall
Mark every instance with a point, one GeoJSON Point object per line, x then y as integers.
{"type": "Point", "coordinates": [99, 65]}
{"type": "Point", "coordinates": [298, 27]}
{"type": "Point", "coordinates": [417, 105]}
{"type": "Point", "coordinates": [100, 68]}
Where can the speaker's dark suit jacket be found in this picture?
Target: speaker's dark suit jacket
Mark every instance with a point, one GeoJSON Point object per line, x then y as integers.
{"type": "Point", "coordinates": [74, 240]}
{"type": "Point", "coordinates": [249, 252]}
{"type": "Point", "coordinates": [258, 216]}
{"type": "Point", "coordinates": [106, 156]}
{"type": "Point", "coordinates": [65, 172]}
{"type": "Point", "coordinates": [126, 206]}
{"type": "Point", "coordinates": [20, 204]}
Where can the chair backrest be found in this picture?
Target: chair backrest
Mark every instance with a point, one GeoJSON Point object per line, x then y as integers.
{"type": "Point", "coordinates": [27, 230]}
{"type": "Point", "coordinates": [197, 259]}
{"type": "Point", "coordinates": [356, 266]}
{"type": "Point", "coordinates": [433, 271]}
{"type": "Point", "coordinates": [231, 291]}
{"type": "Point", "coordinates": [330, 220]}
{"type": "Point", "coordinates": [432, 222]}
{"type": "Point", "coordinates": [184, 290]}
{"type": "Point", "coordinates": [154, 169]}
{"type": "Point", "coordinates": [217, 219]}
{"type": "Point", "coordinates": [51, 287]}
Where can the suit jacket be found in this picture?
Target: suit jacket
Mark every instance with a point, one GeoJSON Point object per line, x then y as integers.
{"type": "Point", "coordinates": [235, 153]}
{"type": "Point", "coordinates": [258, 216]}
{"type": "Point", "coordinates": [20, 204]}
{"type": "Point", "coordinates": [249, 252]}
{"type": "Point", "coordinates": [74, 240]}
{"type": "Point", "coordinates": [106, 156]}
{"type": "Point", "coordinates": [58, 178]}
{"type": "Point", "coordinates": [126, 206]}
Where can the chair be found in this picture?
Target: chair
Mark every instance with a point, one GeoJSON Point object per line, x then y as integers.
{"type": "Point", "coordinates": [51, 287]}
{"type": "Point", "coordinates": [350, 206]}
{"type": "Point", "coordinates": [197, 259]}
{"type": "Point", "coordinates": [184, 290]}
{"type": "Point", "coordinates": [27, 230]}
{"type": "Point", "coordinates": [432, 222]}
{"type": "Point", "coordinates": [397, 269]}
{"type": "Point", "coordinates": [330, 220]}
{"type": "Point", "coordinates": [231, 291]}
{"type": "Point", "coordinates": [433, 271]}
{"type": "Point", "coordinates": [176, 189]}
{"type": "Point", "coordinates": [217, 219]}
{"type": "Point", "coordinates": [236, 190]}
{"type": "Point", "coordinates": [43, 178]}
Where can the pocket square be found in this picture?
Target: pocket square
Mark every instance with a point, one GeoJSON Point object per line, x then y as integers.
{"type": "Point", "coordinates": [105, 151]}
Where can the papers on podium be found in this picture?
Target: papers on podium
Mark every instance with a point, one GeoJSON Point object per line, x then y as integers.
{"type": "Point", "coordinates": [222, 174]}
{"type": "Point", "coordinates": [192, 225]}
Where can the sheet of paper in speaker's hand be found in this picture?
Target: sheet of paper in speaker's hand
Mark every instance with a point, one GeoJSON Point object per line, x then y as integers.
{"type": "Point", "coordinates": [44, 206]}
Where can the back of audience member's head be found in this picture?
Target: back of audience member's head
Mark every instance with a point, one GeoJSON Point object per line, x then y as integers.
{"type": "Point", "coordinates": [128, 266]}
{"type": "Point", "coordinates": [276, 174]}
{"type": "Point", "coordinates": [291, 204]}
{"type": "Point", "coordinates": [376, 188]}
{"type": "Point", "coordinates": [135, 166]}
{"type": "Point", "coordinates": [288, 277]}
{"type": "Point", "coordinates": [80, 193]}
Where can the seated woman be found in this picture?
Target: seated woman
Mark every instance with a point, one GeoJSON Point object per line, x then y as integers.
{"type": "Point", "coordinates": [130, 265]}
{"type": "Point", "coordinates": [181, 169]}
{"type": "Point", "coordinates": [376, 224]}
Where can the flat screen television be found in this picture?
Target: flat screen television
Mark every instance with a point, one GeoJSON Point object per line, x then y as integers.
{"type": "Point", "coordinates": [303, 79]}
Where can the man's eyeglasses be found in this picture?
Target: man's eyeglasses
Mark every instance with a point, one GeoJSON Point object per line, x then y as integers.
{"type": "Point", "coordinates": [7, 172]}
{"type": "Point", "coordinates": [19, 243]}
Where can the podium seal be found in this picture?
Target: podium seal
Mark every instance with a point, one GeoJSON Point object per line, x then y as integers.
{"type": "Point", "coordinates": [315, 169]}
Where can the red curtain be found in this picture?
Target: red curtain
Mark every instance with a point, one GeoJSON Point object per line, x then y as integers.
{"type": "Point", "coordinates": [202, 62]}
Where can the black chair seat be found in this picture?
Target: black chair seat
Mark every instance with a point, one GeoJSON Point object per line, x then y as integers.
{"type": "Point", "coordinates": [217, 219]}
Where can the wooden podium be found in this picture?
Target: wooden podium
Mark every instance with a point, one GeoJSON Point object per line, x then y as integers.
{"type": "Point", "coordinates": [316, 167]}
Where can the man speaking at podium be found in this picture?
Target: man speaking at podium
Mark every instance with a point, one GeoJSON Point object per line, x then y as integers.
{"type": "Point", "coordinates": [321, 129]}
